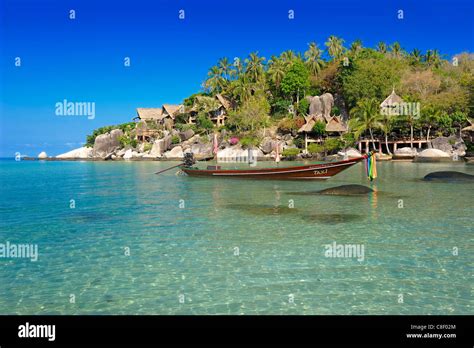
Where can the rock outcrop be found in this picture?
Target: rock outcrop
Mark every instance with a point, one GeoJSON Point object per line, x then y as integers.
{"type": "Point", "coordinates": [433, 153]}
{"type": "Point", "coordinates": [449, 176]}
{"type": "Point", "coordinates": [321, 105]}
{"type": "Point", "coordinates": [187, 134]}
{"type": "Point", "coordinates": [350, 153]}
{"type": "Point", "coordinates": [315, 106]}
{"type": "Point", "coordinates": [128, 154]}
{"type": "Point", "coordinates": [346, 190]}
{"type": "Point", "coordinates": [267, 145]}
{"type": "Point", "coordinates": [453, 146]}
{"type": "Point", "coordinates": [405, 153]}
{"type": "Point", "coordinates": [175, 153]}
{"type": "Point", "coordinates": [107, 143]}
{"type": "Point", "coordinates": [201, 150]}
{"type": "Point", "coordinates": [160, 146]}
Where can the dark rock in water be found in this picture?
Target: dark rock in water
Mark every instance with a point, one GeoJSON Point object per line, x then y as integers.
{"type": "Point", "coordinates": [449, 176]}
{"type": "Point", "coordinates": [262, 210]}
{"type": "Point", "coordinates": [334, 218]}
{"type": "Point", "coordinates": [346, 190]}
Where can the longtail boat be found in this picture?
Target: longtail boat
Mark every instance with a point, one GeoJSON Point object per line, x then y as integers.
{"type": "Point", "coordinates": [319, 171]}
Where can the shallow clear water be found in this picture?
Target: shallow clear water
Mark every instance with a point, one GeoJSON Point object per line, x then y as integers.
{"type": "Point", "coordinates": [235, 247]}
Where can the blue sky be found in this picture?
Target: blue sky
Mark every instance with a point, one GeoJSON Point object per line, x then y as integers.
{"type": "Point", "coordinates": [82, 60]}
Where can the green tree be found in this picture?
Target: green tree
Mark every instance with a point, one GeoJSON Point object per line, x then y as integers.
{"type": "Point", "coordinates": [296, 81]}
{"type": "Point", "coordinates": [254, 113]}
{"type": "Point", "coordinates": [313, 59]}
{"type": "Point", "coordinates": [215, 83]}
{"type": "Point", "coordinates": [430, 117]}
{"type": "Point", "coordinates": [225, 68]}
{"type": "Point", "coordinates": [254, 66]}
{"type": "Point", "coordinates": [416, 57]}
{"type": "Point", "coordinates": [432, 58]}
{"type": "Point", "coordinates": [276, 70]}
{"type": "Point", "coordinates": [319, 129]}
{"type": "Point", "coordinates": [396, 50]}
{"type": "Point", "coordinates": [356, 47]}
{"type": "Point", "coordinates": [365, 118]}
{"type": "Point", "coordinates": [382, 47]}
{"type": "Point", "coordinates": [335, 47]}
{"type": "Point", "coordinates": [303, 107]}
{"type": "Point", "coordinates": [203, 122]}
{"type": "Point", "coordinates": [385, 123]}
{"type": "Point", "coordinates": [288, 57]}
{"type": "Point", "coordinates": [372, 77]}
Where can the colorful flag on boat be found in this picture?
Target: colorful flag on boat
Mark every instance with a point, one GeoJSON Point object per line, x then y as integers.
{"type": "Point", "coordinates": [371, 166]}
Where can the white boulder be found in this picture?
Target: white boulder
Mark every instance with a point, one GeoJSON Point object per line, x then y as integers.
{"type": "Point", "coordinates": [128, 154]}
{"type": "Point", "coordinates": [175, 152]}
{"type": "Point", "coordinates": [350, 153]}
{"type": "Point", "coordinates": [80, 153]}
{"type": "Point", "coordinates": [433, 153]}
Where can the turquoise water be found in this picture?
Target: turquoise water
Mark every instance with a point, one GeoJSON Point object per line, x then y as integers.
{"type": "Point", "coordinates": [235, 247]}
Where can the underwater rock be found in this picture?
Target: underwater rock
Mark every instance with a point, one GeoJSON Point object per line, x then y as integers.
{"type": "Point", "coordinates": [262, 209]}
{"type": "Point", "coordinates": [448, 176]}
{"type": "Point", "coordinates": [346, 190]}
{"type": "Point", "coordinates": [333, 218]}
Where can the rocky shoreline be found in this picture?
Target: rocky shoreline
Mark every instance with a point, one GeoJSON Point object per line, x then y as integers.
{"type": "Point", "coordinates": [172, 145]}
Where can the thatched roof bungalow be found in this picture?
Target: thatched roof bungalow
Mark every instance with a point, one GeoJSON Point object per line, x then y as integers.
{"type": "Point", "coordinates": [220, 114]}
{"type": "Point", "coordinates": [390, 106]}
{"type": "Point", "coordinates": [149, 114]}
{"type": "Point", "coordinates": [334, 124]}
{"type": "Point", "coordinates": [171, 110]}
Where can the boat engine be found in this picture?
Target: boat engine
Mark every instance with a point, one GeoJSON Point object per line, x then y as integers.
{"type": "Point", "coordinates": [189, 159]}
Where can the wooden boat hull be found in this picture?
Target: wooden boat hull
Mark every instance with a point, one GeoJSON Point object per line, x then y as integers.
{"type": "Point", "coordinates": [307, 172]}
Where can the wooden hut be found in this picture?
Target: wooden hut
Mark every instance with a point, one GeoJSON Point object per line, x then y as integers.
{"type": "Point", "coordinates": [220, 114]}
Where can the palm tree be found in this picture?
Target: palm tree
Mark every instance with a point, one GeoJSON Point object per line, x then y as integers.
{"type": "Point", "coordinates": [396, 50]}
{"type": "Point", "coordinates": [411, 118]}
{"type": "Point", "coordinates": [335, 47]}
{"type": "Point", "coordinates": [276, 70]}
{"type": "Point", "coordinates": [385, 122]}
{"type": "Point", "coordinates": [224, 67]}
{"type": "Point", "coordinates": [215, 82]}
{"type": "Point", "coordinates": [242, 89]}
{"type": "Point", "coordinates": [432, 58]}
{"type": "Point", "coordinates": [238, 67]}
{"type": "Point", "coordinates": [430, 117]}
{"type": "Point", "coordinates": [365, 115]}
{"type": "Point", "coordinates": [254, 66]}
{"type": "Point", "coordinates": [415, 56]}
{"type": "Point", "coordinates": [356, 46]}
{"type": "Point", "coordinates": [313, 59]}
{"type": "Point", "coordinates": [382, 47]}
{"type": "Point", "coordinates": [288, 57]}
